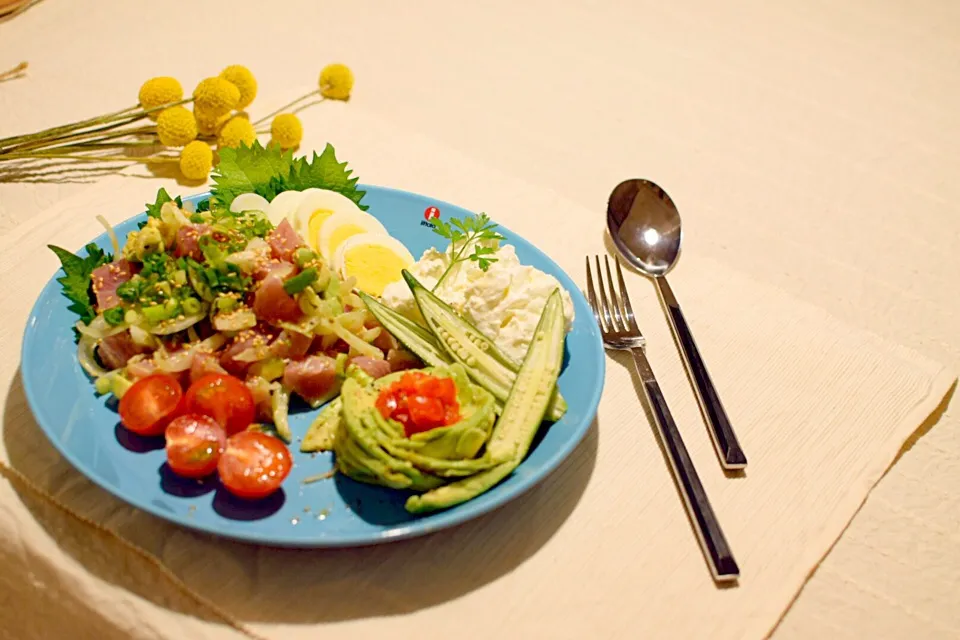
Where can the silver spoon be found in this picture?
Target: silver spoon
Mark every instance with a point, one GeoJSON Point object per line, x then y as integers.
{"type": "Point", "coordinates": [645, 227]}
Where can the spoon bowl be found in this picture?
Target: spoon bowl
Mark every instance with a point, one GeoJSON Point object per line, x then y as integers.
{"type": "Point", "coordinates": [644, 224]}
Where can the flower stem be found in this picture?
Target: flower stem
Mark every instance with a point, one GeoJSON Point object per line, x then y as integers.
{"type": "Point", "coordinates": [68, 156]}
{"type": "Point", "coordinates": [130, 114]}
{"type": "Point", "coordinates": [17, 70]}
{"type": "Point", "coordinates": [285, 107]}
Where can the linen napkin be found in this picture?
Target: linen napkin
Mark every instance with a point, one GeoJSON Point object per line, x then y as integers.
{"type": "Point", "coordinates": [603, 544]}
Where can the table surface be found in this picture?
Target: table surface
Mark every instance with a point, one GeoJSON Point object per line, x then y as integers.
{"type": "Point", "coordinates": [848, 107]}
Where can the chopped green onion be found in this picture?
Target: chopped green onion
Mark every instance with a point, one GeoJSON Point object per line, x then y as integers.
{"type": "Point", "coordinates": [303, 255]}
{"type": "Point", "coordinates": [155, 314]}
{"type": "Point", "coordinates": [114, 315]}
{"type": "Point", "coordinates": [301, 281]}
{"type": "Point", "coordinates": [226, 304]}
{"type": "Point", "coordinates": [191, 306]}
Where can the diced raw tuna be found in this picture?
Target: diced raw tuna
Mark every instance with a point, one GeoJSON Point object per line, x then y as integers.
{"type": "Point", "coordinates": [290, 344]}
{"type": "Point", "coordinates": [204, 364]}
{"type": "Point", "coordinates": [371, 366]}
{"type": "Point", "coordinates": [272, 303]}
{"type": "Point", "coordinates": [313, 378]}
{"type": "Point", "coordinates": [400, 360]}
{"type": "Point", "coordinates": [188, 240]}
{"type": "Point", "coordinates": [385, 341]}
{"type": "Point", "coordinates": [284, 241]}
{"type": "Point", "coordinates": [107, 278]}
{"type": "Point", "coordinates": [115, 350]}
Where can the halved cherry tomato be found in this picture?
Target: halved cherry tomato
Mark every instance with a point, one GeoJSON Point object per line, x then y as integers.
{"type": "Point", "coordinates": [194, 445]}
{"type": "Point", "coordinates": [149, 405]}
{"type": "Point", "coordinates": [254, 464]}
{"type": "Point", "coordinates": [425, 413]}
{"type": "Point", "coordinates": [224, 398]}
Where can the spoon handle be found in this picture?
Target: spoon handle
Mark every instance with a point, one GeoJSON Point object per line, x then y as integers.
{"type": "Point", "coordinates": [724, 439]}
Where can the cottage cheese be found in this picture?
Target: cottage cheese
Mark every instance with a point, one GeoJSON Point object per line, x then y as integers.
{"type": "Point", "coordinates": [504, 302]}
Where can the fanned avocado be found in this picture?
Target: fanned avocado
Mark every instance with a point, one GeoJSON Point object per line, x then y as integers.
{"type": "Point", "coordinates": [371, 448]}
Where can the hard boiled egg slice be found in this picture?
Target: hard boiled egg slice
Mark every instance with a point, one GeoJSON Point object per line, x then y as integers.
{"type": "Point", "coordinates": [315, 208]}
{"type": "Point", "coordinates": [342, 225]}
{"type": "Point", "coordinates": [249, 202]}
{"type": "Point", "coordinates": [375, 260]}
{"type": "Point", "coordinates": [284, 205]}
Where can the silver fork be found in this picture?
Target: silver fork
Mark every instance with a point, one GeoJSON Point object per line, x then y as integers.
{"type": "Point", "coordinates": [620, 331]}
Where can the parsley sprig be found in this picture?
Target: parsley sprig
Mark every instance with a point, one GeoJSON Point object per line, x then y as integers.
{"type": "Point", "coordinates": [465, 234]}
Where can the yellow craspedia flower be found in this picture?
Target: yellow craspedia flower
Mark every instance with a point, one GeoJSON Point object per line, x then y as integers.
{"type": "Point", "coordinates": [196, 160]}
{"type": "Point", "coordinates": [286, 130]}
{"type": "Point", "coordinates": [159, 91]}
{"type": "Point", "coordinates": [209, 124]}
{"type": "Point", "coordinates": [238, 129]}
{"type": "Point", "coordinates": [336, 81]}
{"type": "Point", "coordinates": [176, 127]}
{"type": "Point", "coordinates": [216, 95]}
{"type": "Point", "coordinates": [240, 77]}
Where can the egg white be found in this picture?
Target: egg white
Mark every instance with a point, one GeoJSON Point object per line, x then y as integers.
{"type": "Point", "coordinates": [249, 202]}
{"type": "Point", "coordinates": [283, 204]}
{"type": "Point", "coordinates": [320, 200]}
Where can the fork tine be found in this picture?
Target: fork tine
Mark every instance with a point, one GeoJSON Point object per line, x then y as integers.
{"type": "Point", "coordinates": [615, 302]}
{"type": "Point", "coordinates": [605, 306]}
{"type": "Point", "coordinates": [592, 295]}
{"type": "Point", "coordinates": [625, 299]}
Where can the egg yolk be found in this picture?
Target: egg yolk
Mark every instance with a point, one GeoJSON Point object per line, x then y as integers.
{"type": "Point", "coordinates": [374, 267]}
{"type": "Point", "coordinates": [317, 219]}
{"type": "Point", "coordinates": [343, 232]}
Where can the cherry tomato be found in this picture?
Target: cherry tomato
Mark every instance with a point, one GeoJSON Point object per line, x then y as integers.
{"type": "Point", "coordinates": [254, 464]}
{"type": "Point", "coordinates": [149, 405]}
{"type": "Point", "coordinates": [194, 445]}
{"type": "Point", "coordinates": [425, 413]}
{"type": "Point", "coordinates": [420, 402]}
{"type": "Point", "coordinates": [225, 399]}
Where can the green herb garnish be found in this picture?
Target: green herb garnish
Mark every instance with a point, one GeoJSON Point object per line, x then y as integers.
{"type": "Point", "coordinates": [466, 234]}
{"type": "Point", "coordinates": [76, 280]}
{"type": "Point", "coordinates": [301, 281]}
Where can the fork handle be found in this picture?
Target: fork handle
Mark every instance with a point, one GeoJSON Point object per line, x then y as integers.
{"type": "Point", "coordinates": [712, 541]}
{"type": "Point", "coordinates": [724, 439]}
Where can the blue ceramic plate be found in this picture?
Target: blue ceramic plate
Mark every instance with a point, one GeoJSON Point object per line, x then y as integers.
{"type": "Point", "coordinates": [333, 512]}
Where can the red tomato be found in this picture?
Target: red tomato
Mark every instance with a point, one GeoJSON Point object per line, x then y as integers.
{"type": "Point", "coordinates": [425, 413]}
{"type": "Point", "coordinates": [224, 398]}
{"type": "Point", "coordinates": [194, 445]}
{"type": "Point", "coordinates": [254, 464]}
{"type": "Point", "coordinates": [420, 402]}
{"type": "Point", "coordinates": [150, 404]}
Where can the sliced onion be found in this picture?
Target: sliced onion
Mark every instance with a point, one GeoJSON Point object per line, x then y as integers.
{"type": "Point", "coordinates": [166, 328]}
{"type": "Point", "coordinates": [352, 320]}
{"type": "Point", "coordinates": [112, 234]}
{"type": "Point", "coordinates": [179, 361]}
{"type": "Point", "coordinates": [236, 320]}
{"type": "Point", "coordinates": [356, 344]}
{"type": "Point", "coordinates": [142, 338]}
{"type": "Point", "coordinates": [86, 358]}
{"type": "Point", "coordinates": [307, 328]}
{"type": "Point", "coordinates": [99, 328]}
{"type": "Point", "coordinates": [253, 354]}
{"type": "Point", "coordinates": [280, 403]}
{"type": "Point", "coordinates": [183, 359]}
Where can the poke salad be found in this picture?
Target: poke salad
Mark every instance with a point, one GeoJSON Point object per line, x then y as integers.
{"type": "Point", "coordinates": [430, 375]}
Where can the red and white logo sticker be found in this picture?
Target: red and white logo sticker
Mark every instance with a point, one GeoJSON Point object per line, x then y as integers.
{"type": "Point", "coordinates": [431, 213]}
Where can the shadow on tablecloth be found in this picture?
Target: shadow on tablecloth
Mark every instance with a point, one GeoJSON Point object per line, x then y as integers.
{"type": "Point", "coordinates": [260, 584]}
